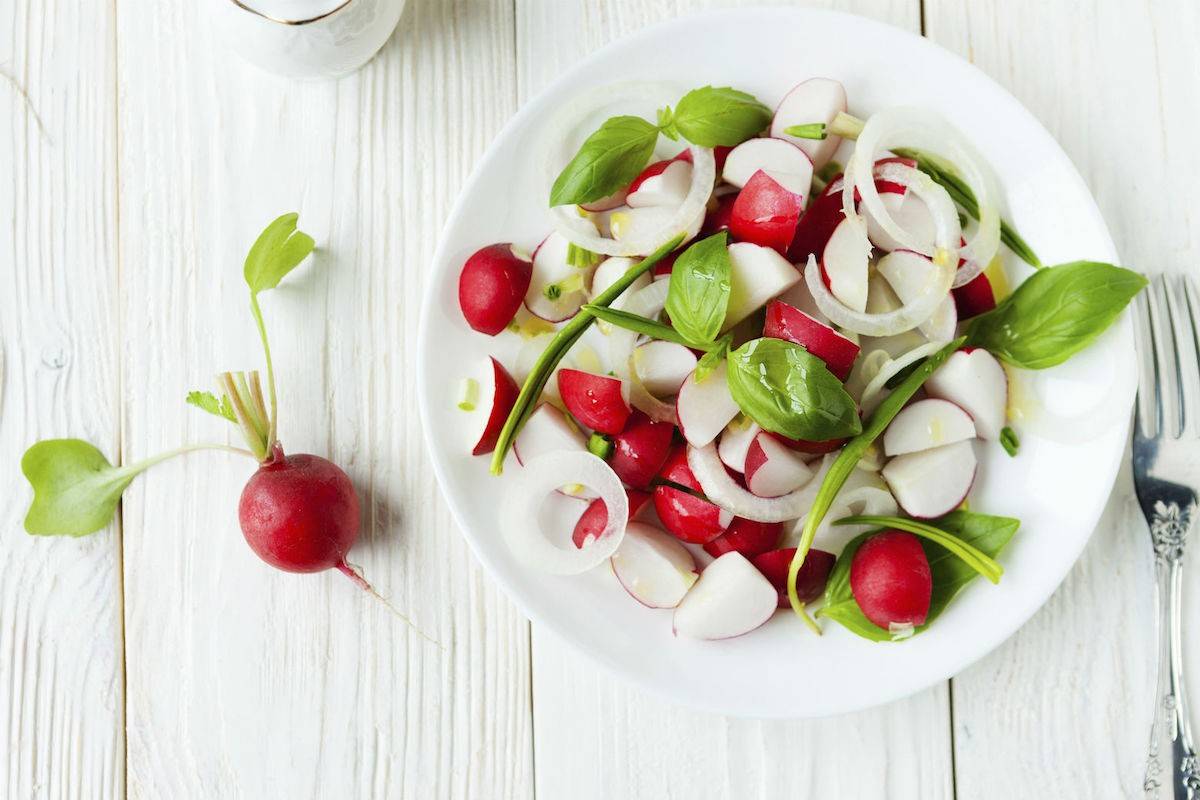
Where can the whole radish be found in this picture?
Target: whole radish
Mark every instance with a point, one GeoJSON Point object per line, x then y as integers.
{"type": "Point", "coordinates": [891, 580]}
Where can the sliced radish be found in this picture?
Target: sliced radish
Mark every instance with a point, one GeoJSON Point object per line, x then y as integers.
{"type": "Point", "coordinates": [927, 424]}
{"type": "Point", "coordinates": [747, 537]}
{"type": "Point", "coordinates": [614, 200]}
{"type": "Point", "coordinates": [767, 210]}
{"type": "Point", "coordinates": [730, 599]}
{"type": "Point", "coordinates": [497, 394]}
{"type": "Point", "coordinates": [793, 325]}
{"type": "Point", "coordinates": [735, 441]}
{"type": "Point", "coordinates": [820, 219]}
{"type": "Point", "coordinates": [909, 212]}
{"type": "Point", "coordinates": [609, 271]}
{"type": "Point", "coordinates": [930, 483]}
{"type": "Point", "coordinates": [705, 407]}
{"type": "Point", "coordinates": [598, 401]}
{"type": "Point", "coordinates": [844, 264]}
{"type": "Point", "coordinates": [771, 155]}
{"type": "Point", "coordinates": [547, 431]}
{"type": "Point", "coordinates": [723, 490]}
{"type": "Point", "coordinates": [757, 274]}
{"type": "Point", "coordinates": [640, 450]}
{"type": "Point", "coordinates": [891, 580]}
{"type": "Point", "coordinates": [773, 469]}
{"type": "Point", "coordinates": [717, 219]}
{"type": "Point", "coordinates": [663, 366]}
{"type": "Point", "coordinates": [814, 100]}
{"type": "Point", "coordinates": [595, 517]}
{"type": "Point", "coordinates": [910, 274]}
{"type": "Point", "coordinates": [800, 298]}
{"type": "Point", "coordinates": [690, 518]}
{"type": "Point", "coordinates": [676, 470]}
{"type": "Point", "coordinates": [668, 187]}
{"type": "Point", "coordinates": [974, 297]}
{"type": "Point", "coordinates": [654, 567]}
{"type": "Point", "coordinates": [491, 287]}
{"type": "Point", "coordinates": [640, 224]}
{"type": "Point", "coordinates": [975, 381]}
{"type": "Point", "coordinates": [810, 580]}
{"type": "Point", "coordinates": [557, 289]}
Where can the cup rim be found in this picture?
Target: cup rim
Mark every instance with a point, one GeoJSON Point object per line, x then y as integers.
{"type": "Point", "coordinates": [293, 22]}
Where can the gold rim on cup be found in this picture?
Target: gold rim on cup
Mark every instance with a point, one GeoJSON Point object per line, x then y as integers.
{"type": "Point", "coordinates": [269, 18]}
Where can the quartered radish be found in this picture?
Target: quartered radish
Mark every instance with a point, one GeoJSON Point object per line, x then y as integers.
{"type": "Point", "coordinates": [689, 518]}
{"type": "Point", "coordinates": [747, 537]}
{"type": "Point", "coordinates": [667, 187]}
{"type": "Point", "coordinates": [785, 322]}
{"type": "Point", "coordinates": [705, 407]}
{"type": "Point", "coordinates": [909, 274]}
{"type": "Point", "coordinates": [770, 155]}
{"type": "Point", "coordinates": [547, 431]}
{"type": "Point", "coordinates": [931, 483]}
{"type": "Point", "coordinates": [653, 566]}
{"type": "Point", "coordinates": [820, 219]}
{"type": "Point", "coordinates": [891, 580]}
{"type": "Point", "coordinates": [844, 264]}
{"type": "Point", "coordinates": [636, 224]}
{"type": "Point", "coordinates": [497, 393]}
{"type": "Point", "coordinates": [974, 297]}
{"type": "Point", "coordinates": [810, 580]}
{"type": "Point", "coordinates": [735, 441]}
{"type": "Point", "coordinates": [773, 469]}
{"type": "Point", "coordinates": [640, 450]}
{"type": "Point", "coordinates": [557, 288]}
{"type": "Point", "coordinates": [663, 366]}
{"type": "Point", "coordinates": [757, 274]}
{"type": "Point", "coordinates": [595, 517]}
{"type": "Point", "coordinates": [768, 209]}
{"type": "Point", "coordinates": [910, 213]}
{"type": "Point", "coordinates": [801, 299]}
{"type": "Point", "coordinates": [974, 380]}
{"type": "Point", "coordinates": [597, 401]}
{"type": "Point", "coordinates": [730, 599]}
{"type": "Point", "coordinates": [607, 273]}
{"type": "Point", "coordinates": [492, 286]}
{"type": "Point", "coordinates": [814, 100]}
{"type": "Point", "coordinates": [927, 424]}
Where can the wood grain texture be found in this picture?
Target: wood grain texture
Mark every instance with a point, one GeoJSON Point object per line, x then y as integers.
{"type": "Point", "coordinates": [61, 694]}
{"type": "Point", "coordinates": [243, 681]}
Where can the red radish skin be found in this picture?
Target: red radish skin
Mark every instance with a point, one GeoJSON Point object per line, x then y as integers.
{"type": "Point", "coordinates": [810, 580]}
{"type": "Point", "coordinates": [811, 448]}
{"type": "Point", "coordinates": [747, 537]}
{"type": "Point", "coordinates": [793, 325]}
{"type": "Point", "coordinates": [772, 468]}
{"type": "Point", "coordinates": [765, 213]}
{"type": "Point", "coordinates": [595, 516]}
{"type": "Point", "coordinates": [891, 580]}
{"type": "Point", "coordinates": [676, 470]}
{"type": "Point", "coordinates": [595, 400]}
{"type": "Point", "coordinates": [975, 297]}
{"type": "Point", "coordinates": [689, 518]}
{"type": "Point", "coordinates": [492, 286]}
{"type": "Point", "coordinates": [717, 220]}
{"type": "Point", "coordinates": [817, 225]}
{"type": "Point", "coordinates": [640, 450]}
{"type": "Point", "coordinates": [503, 399]}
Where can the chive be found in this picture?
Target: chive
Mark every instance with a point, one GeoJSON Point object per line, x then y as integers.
{"type": "Point", "coordinates": [813, 130]}
{"type": "Point", "coordinates": [1009, 440]}
{"type": "Point", "coordinates": [600, 445]}
{"type": "Point", "coordinates": [640, 324]}
{"type": "Point", "coordinates": [468, 394]}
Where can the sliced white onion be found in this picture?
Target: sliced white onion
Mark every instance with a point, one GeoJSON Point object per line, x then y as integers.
{"type": "Point", "coordinates": [872, 394]}
{"type": "Point", "coordinates": [648, 302]}
{"type": "Point", "coordinates": [723, 490]}
{"type": "Point", "coordinates": [537, 480]}
{"type": "Point", "coordinates": [889, 323]}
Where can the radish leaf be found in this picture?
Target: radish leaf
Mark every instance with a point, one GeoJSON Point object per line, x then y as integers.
{"type": "Point", "coordinates": [609, 160]}
{"type": "Point", "coordinates": [207, 401]}
{"type": "Point", "coordinates": [276, 252]}
{"type": "Point", "coordinates": [75, 488]}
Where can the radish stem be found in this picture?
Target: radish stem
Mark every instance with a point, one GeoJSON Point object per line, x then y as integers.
{"type": "Point", "coordinates": [251, 435]}
{"type": "Point", "coordinates": [262, 334]}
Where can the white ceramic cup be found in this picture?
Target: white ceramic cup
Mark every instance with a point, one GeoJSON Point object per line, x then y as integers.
{"type": "Point", "coordinates": [307, 38]}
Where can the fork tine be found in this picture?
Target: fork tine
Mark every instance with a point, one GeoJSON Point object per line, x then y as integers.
{"type": "Point", "coordinates": [1166, 363]}
{"type": "Point", "coordinates": [1189, 352]}
{"type": "Point", "coordinates": [1147, 395]}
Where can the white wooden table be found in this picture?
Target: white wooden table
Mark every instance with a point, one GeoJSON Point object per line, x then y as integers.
{"type": "Point", "coordinates": [160, 659]}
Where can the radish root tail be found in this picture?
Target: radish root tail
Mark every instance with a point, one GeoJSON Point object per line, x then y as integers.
{"type": "Point", "coordinates": [354, 575]}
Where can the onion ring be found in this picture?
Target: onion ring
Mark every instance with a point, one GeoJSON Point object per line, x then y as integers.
{"type": "Point", "coordinates": [647, 302]}
{"type": "Point", "coordinates": [888, 323]}
{"type": "Point", "coordinates": [721, 489]}
{"type": "Point", "coordinates": [888, 370]}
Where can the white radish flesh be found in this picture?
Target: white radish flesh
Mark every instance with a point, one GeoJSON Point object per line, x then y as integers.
{"type": "Point", "coordinates": [757, 275]}
{"type": "Point", "coordinates": [845, 262]}
{"type": "Point", "coordinates": [550, 270]}
{"type": "Point", "coordinates": [663, 366]}
{"type": "Point", "coordinates": [667, 188]}
{"type": "Point", "coordinates": [814, 100]}
{"type": "Point", "coordinates": [640, 224]}
{"type": "Point", "coordinates": [773, 469]}
{"type": "Point", "coordinates": [612, 269]}
{"type": "Point", "coordinates": [909, 274]}
{"type": "Point", "coordinates": [910, 213]}
{"type": "Point", "coordinates": [976, 382]}
{"type": "Point", "coordinates": [705, 407]}
{"type": "Point", "coordinates": [730, 599]}
{"type": "Point", "coordinates": [547, 431]}
{"type": "Point", "coordinates": [927, 424]}
{"type": "Point", "coordinates": [653, 566]}
{"type": "Point", "coordinates": [735, 442]}
{"type": "Point", "coordinates": [771, 156]}
{"type": "Point", "coordinates": [934, 482]}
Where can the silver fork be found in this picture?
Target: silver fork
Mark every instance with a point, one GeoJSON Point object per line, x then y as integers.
{"type": "Point", "coordinates": [1166, 465]}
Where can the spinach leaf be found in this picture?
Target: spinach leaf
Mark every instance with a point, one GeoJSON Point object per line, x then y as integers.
{"type": "Point", "coordinates": [715, 117]}
{"type": "Point", "coordinates": [608, 160]}
{"type": "Point", "coordinates": [699, 293]}
{"type": "Point", "coordinates": [787, 390]}
{"type": "Point", "coordinates": [1055, 313]}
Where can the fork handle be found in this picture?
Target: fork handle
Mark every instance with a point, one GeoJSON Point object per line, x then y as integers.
{"type": "Point", "coordinates": [1171, 727]}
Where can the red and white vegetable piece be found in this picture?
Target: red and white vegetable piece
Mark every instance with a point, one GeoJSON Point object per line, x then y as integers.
{"type": "Point", "coordinates": [768, 209]}
{"type": "Point", "coordinates": [730, 599]}
{"type": "Point", "coordinates": [663, 366]}
{"type": "Point", "coordinates": [689, 518]}
{"type": "Point", "coordinates": [653, 566]}
{"type": "Point", "coordinates": [607, 273]}
{"type": "Point", "coordinates": [492, 286]}
{"type": "Point", "coordinates": [705, 407]}
{"type": "Point", "coordinates": [909, 274]}
{"type": "Point", "coordinates": [926, 424]}
{"type": "Point", "coordinates": [773, 469]}
{"type": "Point", "coordinates": [547, 431]}
{"type": "Point", "coordinates": [785, 322]}
{"type": "Point", "coordinates": [591, 523]}
{"type": "Point", "coordinates": [597, 401]}
{"type": "Point", "coordinates": [910, 213]}
{"type": "Point", "coordinates": [770, 155]}
{"type": "Point", "coordinates": [667, 186]}
{"type": "Point", "coordinates": [723, 490]}
{"type": "Point", "coordinates": [757, 274]}
{"type": "Point", "coordinates": [551, 269]}
{"type": "Point", "coordinates": [810, 580]}
{"type": "Point", "coordinates": [891, 580]}
{"type": "Point", "coordinates": [820, 219]}
{"type": "Point", "coordinates": [974, 380]}
{"type": "Point", "coordinates": [497, 394]}
{"type": "Point", "coordinates": [844, 264]}
{"type": "Point", "coordinates": [814, 100]}
{"type": "Point", "coordinates": [747, 537]}
{"type": "Point", "coordinates": [974, 297]}
{"type": "Point", "coordinates": [930, 483]}
{"type": "Point", "coordinates": [735, 442]}
{"type": "Point", "coordinates": [800, 298]}
{"type": "Point", "coordinates": [640, 450]}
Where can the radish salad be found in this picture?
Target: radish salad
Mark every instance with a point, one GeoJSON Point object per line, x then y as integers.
{"type": "Point", "coordinates": [759, 353]}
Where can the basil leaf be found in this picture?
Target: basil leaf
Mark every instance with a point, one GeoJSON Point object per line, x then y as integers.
{"type": "Point", "coordinates": [716, 116]}
{"type": "Point", "coordinates": [787, 390]}
{"type": "Point", "coordinates": [609, 160]}
{"type": "Point", "coordinates": [713, 358]}
{"type": "Point", "coordinates": [698, 296]}
{"type": "Point", "coordinates": [1055, 313]}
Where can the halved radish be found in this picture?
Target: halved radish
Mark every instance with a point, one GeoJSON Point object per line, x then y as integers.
{"type": "Point", "coordinates": [930, 483]}
{"type": "Point", "coordinates": [491, 287]}
{"type": "Point", "coordinates": [801, 299]}
{"type": "Point", "coordinates": [730, 599]}
{"type": "Point", "coordinates": [772, 155]}
{"type": "Point", "coordinates": [767, 210]}
{"type": "Point", "coordinates": [654, 567]}
{"type": "Point", "coordinates": [638, 224]}
{"type": "Point", "coordinates": [663, 366]}
{"type": "Point", "coordinates": [792, 324]}
{"type": "Point", "coordinates": [910, 213]}
{"type": "Point", "coordinates": [497, 393]}
{"type": "Point", "coordinates": [557, 289]}
{"type": "Point", "coordinates": [609, 271]}
{"type": "Point", "coordinates": [690, 518]}
{"type": "Point", "coordinates": [747, 537]}
{"type": "Point", "coordinates": [810, 580]}
{"type": "Point", "coordinates": [735, 441]}
{"type": "Point", "coordinates": [908, 274]}
{"type": "Point", "coordinates": [668, 187]}
{"type": "Point", "coordinates": [547, 431]}
{"type": "Point", "coordinates": [891, 580]}
{"type": "Point", "coordinates": [844, 264]}
{"type": "Point", "coordinates": [814, 100]}
{"type": "Point", "coordinates": [820, 220]}
{"type": "Point", "coordinates": [927, 424]}
{"type": "Point", "coordinates": [757, 274]}
{"type": "Point", "coordinates": [773, 469]}
{"type": "Point", "coordinates": [595, 517]}
{"type": "Point", "coordinates": [640, 449]}
{"type": "Point", "coordinates": [974, 297]}
{"type": "Point", "coordinates": [718, 217]}
{"type": "Point", "coordinates": [598, 401]}
{"type": "Point", "coordinates": [974, 380]}
{"type": "Point", "coordinates": [705, 407]}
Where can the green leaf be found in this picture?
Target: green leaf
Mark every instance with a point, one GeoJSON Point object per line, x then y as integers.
{"type": "Point", "coordinates": [638, 324]}
{"type": "Point", "coordinates": [600, 445]}
{"type": "Point", "coordinates": [207, 401]}
{"type": "Point", "coordinates": [1009, 441]}
{"type": "Point", "coordinates": [608, 160]}
{"type": "Point", "coordinates": [276, 252]}
{"type": "Point", "coordinates": [75, 488]}
{"type": "Point", "coordinates": [719, 116]}
{"type": "Point", "coordinates": [698, 296]}
{"type": "Point", "coordinates": [713, 358]}
{"type": "Point", "coordinates": [1055, 313]}
{"type": "Point", "coordinates": [787, 390]}
{"type": "Point", "coordinates": [810, 130]}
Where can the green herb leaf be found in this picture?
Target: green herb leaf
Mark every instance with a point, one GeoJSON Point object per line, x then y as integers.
{"type": "Point", "coordinates": [718, 116]}
{"type": "Point", "coordinates": [207, 401]}
{"type": "Point", "coordinates": [276, 252]}
{"type": "Point", "coordinates": [609, 160]}
{"type": "Point", "coordinates": [75, 488]}
{"type": "Point", "coordinates": [713, 358]}
{"type": "Point", "coordinates": [1055, 313]}
{"type": "Point", "coordinates": [787, 390]}
{"type": "Point", "coordinates": [698, 296]}
{"type": "Point", "coordinates": [1009, 441]}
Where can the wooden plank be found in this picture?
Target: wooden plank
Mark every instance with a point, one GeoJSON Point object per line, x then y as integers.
{"type": "Point", "coordinates": [1063, 710]}
{"type": "Point", "coordinates": [61, 685]}
{"type": "Point", "coordinates": [244, 681]}
{"type": "Point", "coordinates": [596, 736]}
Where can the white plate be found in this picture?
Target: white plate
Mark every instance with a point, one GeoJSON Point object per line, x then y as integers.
{"type": "Point", "coordinates": [1057, 488]}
